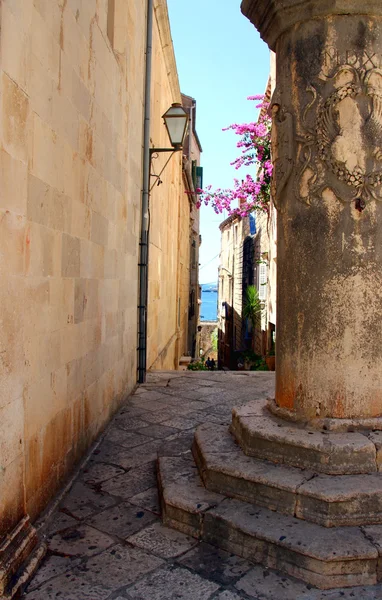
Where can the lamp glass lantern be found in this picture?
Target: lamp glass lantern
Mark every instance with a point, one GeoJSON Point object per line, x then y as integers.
{"type": "Point", "coordinates": [176, 121]}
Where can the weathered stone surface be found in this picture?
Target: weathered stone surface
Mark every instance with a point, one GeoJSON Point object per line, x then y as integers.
{"type": "Point", "coordinates": [79, 541]}
{"type": "Point", "coordinates": [122, 520]}
{"type": "Point", "coordinates": [181, 422]}
{"type": "Point", "coordinates": [15, 549]}
{"type": "Point", "coordinates": [275, 17]}
{"type": "Point", "coordinates": [52, 567]}
{"type": "Point", "coordinates": [111, 454]}
{"type": "Point", "coordinates": [70, 587]}
{"type": "Point", "coordinates": [129, 423]}
{"type": "Point", "coordinates": [228, 596]}
{"type": "Point", "coordinates": [362, 425]}
{"type": "Point", "coordinates": [176, 445]}
{"type": "Point", "coordinates": [82, 501]}
{"type": "Point", "coordinates": [162, 541]}
{"type": "Point", "coordinates": [126, 439]}
{"type": "Point", "coordinates": [226, 470]}
{"type": "Point", "coordinates": [282, 442]}
{"type": "Point", "coordinates": [176, 584]}
{"type": "Point", "coordinates": [61, 521]}
{"type": "Point", "coordinates": [123, 566]}
{"type": "Point", "coordinates": [98, 473]}
{"type": "Point", "coordinates": [341, 500]}
{"type": "Point", "coordinates": [261, 582]}
{"type": "Point", "coordinates": [158, 431]}
{"type": "Point", "coordinates": [127, 485]}
{"type": "Point", "coordinates": [324, 557]}
{"type": "Point", "coordinates": [149, 500]}
{"type": "Point", "coordinates": [184, 498]}
{"type": "Point", "coordinates": [226, 569]}
{"type": "Point", "coordinates": [376, 438]}
{"type": "Point", "coordinates": [215, 564]}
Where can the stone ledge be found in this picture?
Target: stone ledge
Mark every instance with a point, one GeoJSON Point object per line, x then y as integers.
{"type": "Point", "coordinates": [226, 470]}
{"type": "Point", "coordinates": [273, 17]}
{"type": "Point", "coordinates": [327, 500]}
{"type": "Point", "coordinates": [184, 499]}
{"type": "Point", "coordinates": [20, 555]}
{"type": "Point", "coordinates": [327, 424]}
{"type": "Point", "coordinates": [341, 500]}
{"type": "Point", "coordinates": [286, 443]}
{"type": "Point", "coordinates": [326, 558]}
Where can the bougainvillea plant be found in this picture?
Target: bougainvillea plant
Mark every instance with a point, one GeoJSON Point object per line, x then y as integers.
{"type": "Point", "coordinates": [252, 192]}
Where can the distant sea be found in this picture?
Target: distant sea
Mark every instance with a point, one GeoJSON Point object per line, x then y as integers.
{"type": "Point", "coordinates": [209, 306]}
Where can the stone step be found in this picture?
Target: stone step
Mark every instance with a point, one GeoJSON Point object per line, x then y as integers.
{"type": "Point", "coordinates": [324, 557]}
{"type": "Point", "coordinates": [324, 499]}
{"type": "Point", "coordinates": [262, 435]}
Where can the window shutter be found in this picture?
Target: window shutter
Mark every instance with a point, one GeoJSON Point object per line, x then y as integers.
{"type": "Point", "coordinates": [263, 281]}
{"type": "Point", "coordinates": [199, 178]}
{"type": "Point", "coordinates": [193, 172]}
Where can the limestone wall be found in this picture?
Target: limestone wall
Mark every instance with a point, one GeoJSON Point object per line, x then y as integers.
{"type": "Point", "coordinates": [71, 89]}
{"type": "Point", "coordinates": [169, 221]}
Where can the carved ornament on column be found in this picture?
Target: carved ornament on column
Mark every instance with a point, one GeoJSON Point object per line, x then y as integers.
{"type": "Point", "coordinates": [283, 149]}
{"type": "Point", "coordinates": [342, 138]}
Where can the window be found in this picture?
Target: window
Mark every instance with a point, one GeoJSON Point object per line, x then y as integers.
{"type": "Point", "coordinates": [252, 223]}
{"type": "Point", "coordinates": [263, 278]}
{"type": "Point", "coordinates": [197, 176]}
{"type": "Point", "coordinates": [193, 254]}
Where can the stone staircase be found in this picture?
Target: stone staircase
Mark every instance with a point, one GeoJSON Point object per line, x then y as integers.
{"type": "Point", "coordinates": [306, 502]}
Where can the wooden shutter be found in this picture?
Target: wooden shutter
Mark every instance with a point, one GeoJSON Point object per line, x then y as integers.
{"type": "Point", "coordinates": [263, 276]}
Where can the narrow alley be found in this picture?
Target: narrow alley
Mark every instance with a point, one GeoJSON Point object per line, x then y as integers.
{"type": "Point", "coordinates": [104, 535]}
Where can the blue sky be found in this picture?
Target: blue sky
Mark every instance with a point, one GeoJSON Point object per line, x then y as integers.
{"type": "Point", "coordinates": [221, 60]}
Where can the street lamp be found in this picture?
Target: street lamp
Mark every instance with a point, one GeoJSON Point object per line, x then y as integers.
{"type": "Point", "coordinates": [176, 121]}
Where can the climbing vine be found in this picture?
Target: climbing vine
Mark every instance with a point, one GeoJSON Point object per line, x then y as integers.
{"type": "Point", "coordinates": [251, 192]}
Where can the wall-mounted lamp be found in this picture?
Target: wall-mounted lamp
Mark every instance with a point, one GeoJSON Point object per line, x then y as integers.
{"type": "Point", "coordinates": [176, 121]}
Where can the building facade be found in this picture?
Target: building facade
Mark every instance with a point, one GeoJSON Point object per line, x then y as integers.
{"type": "Point", "coordinates": [243, 263]}
{"type": "Point", "coordinates": [72, 81]}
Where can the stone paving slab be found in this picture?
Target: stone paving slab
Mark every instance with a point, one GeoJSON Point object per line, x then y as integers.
{"type": "Point", "coordinates": [69, 587]}
{"type": "Point", "coordinates": [53, 566]}
{"type": "Point", "coordinates": [172, 584]}
{"type": "Point", "coordinates": [215, 564]}
{"type": "Point", "coordinates": [162, 541]}
{"type": "Point", "coordinates": [122, 520]}
{"type": "Point", "coordinates": [80, 540]}
{"type": "Point", "coordinates": [148, 500]}
{"type": "Point", "coordinates": [124, 571]}
{"type": "Point", "coordinates": [119, 566]}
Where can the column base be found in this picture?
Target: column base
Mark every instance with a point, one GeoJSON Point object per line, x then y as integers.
{"type": "Point", "coordinates": [20, 556]}
{"type": "Point", "coordinates": [326, 424]}
{"type": "Point", "coordinates": [264, 436]}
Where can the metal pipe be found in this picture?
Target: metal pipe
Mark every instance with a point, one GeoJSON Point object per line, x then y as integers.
{"type": "Point", "coordinates": [145, 217]}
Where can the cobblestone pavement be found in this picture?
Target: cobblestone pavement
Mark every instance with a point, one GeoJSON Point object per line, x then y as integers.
{"type": "Point", "coordinates": [105, 539]}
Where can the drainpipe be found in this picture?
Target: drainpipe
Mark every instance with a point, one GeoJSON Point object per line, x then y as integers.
{"type": "Point", "coordinates": [145, 217]}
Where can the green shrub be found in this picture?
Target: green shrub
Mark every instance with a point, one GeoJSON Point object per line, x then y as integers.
{"type": "Point", "coordinates": [260, 365]}
{"type": "Point", "coordinates": [197, 365]}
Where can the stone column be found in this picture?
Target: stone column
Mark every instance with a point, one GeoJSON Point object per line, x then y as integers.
{"type": "Point", "coordinates": [327, 152]}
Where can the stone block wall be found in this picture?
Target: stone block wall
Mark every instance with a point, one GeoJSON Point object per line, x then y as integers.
{"type": "Point", "coordinates": [169, 217]}
{"type": "Point", "coordinates": [71, 114]}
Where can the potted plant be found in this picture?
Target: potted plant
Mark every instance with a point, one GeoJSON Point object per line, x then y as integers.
{"type": "Point", "coordinates": [252, 309]}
